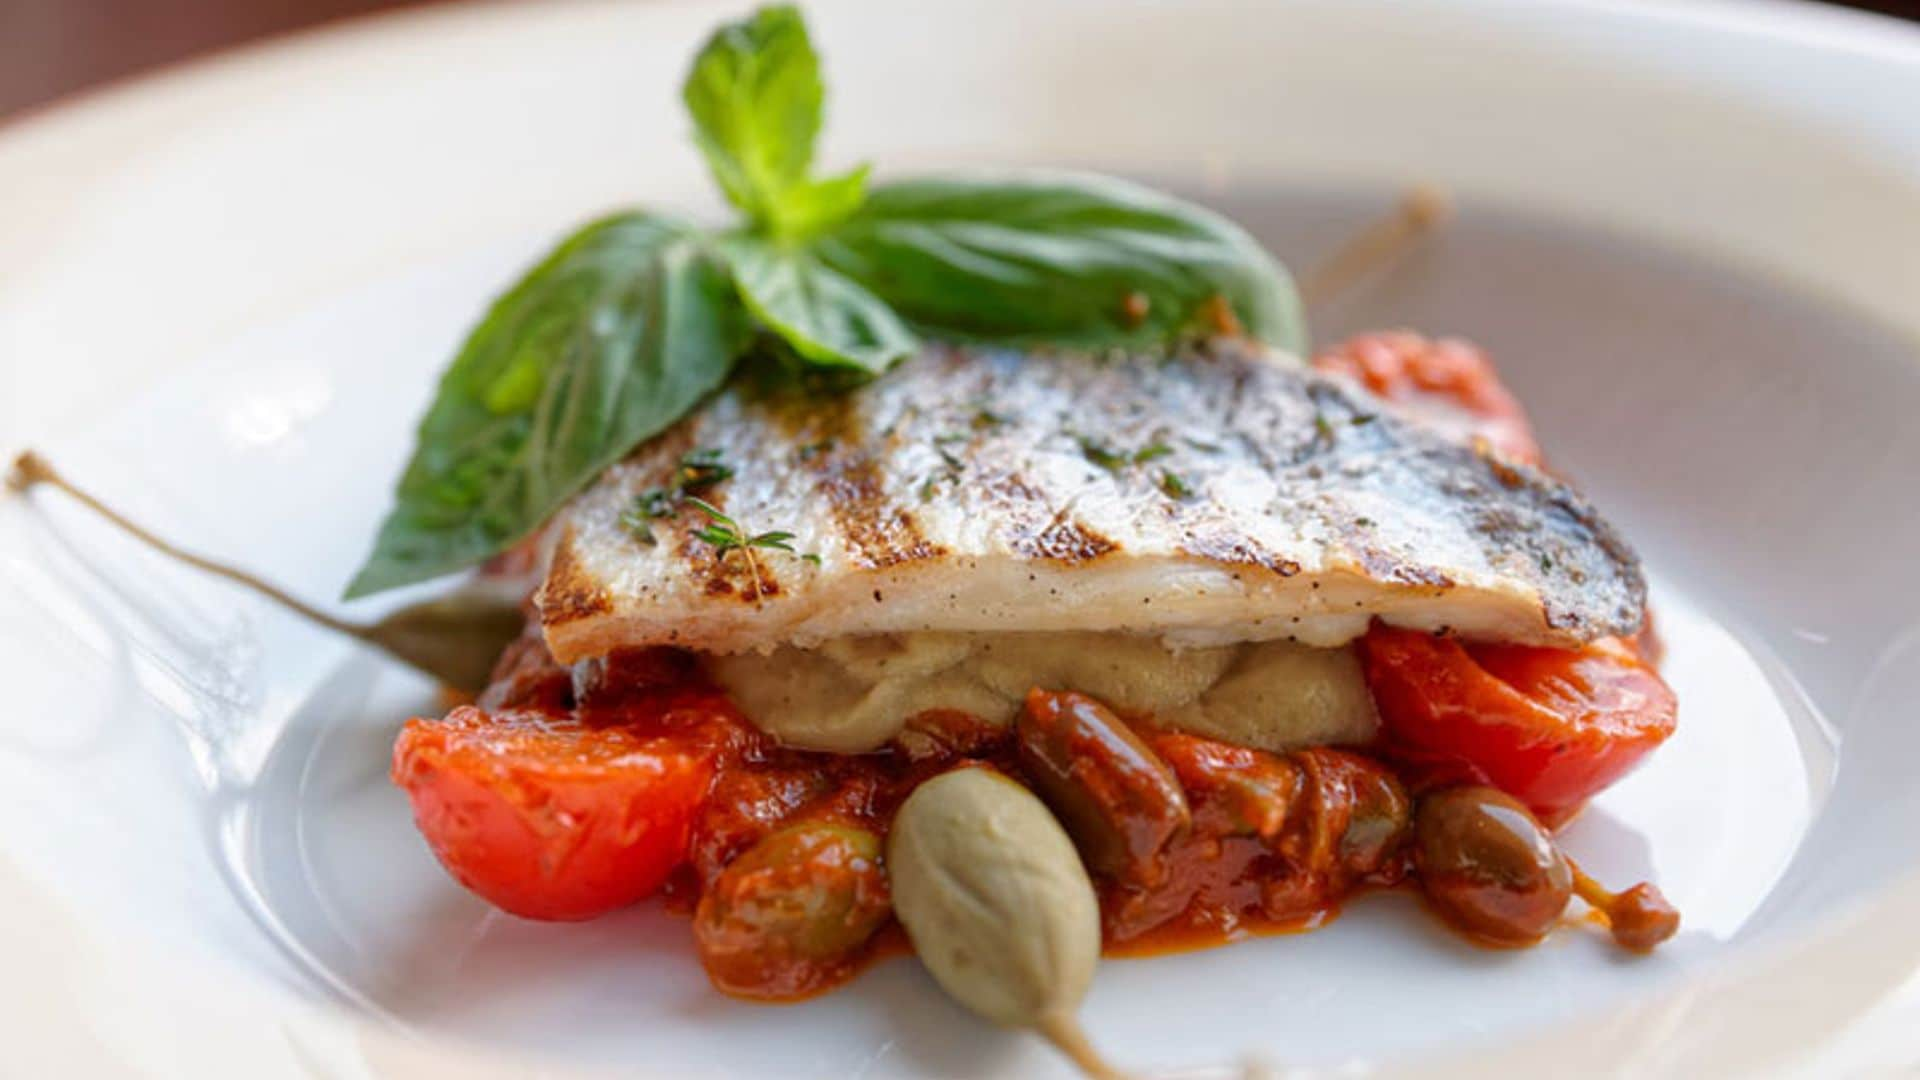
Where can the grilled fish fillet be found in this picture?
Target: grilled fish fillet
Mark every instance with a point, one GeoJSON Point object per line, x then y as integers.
{"type": "Point", "coordinates": [1223, 496]}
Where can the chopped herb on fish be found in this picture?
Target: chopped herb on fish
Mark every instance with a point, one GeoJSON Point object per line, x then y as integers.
{"type": "Point", "coordinates": [698, 472]}
{"type": "Point", "coordinates": [646, 508]}
{"type": "Point", "coordinates": [1115, 460]}
{"type": "Point", "coordinates": [1101, 455]}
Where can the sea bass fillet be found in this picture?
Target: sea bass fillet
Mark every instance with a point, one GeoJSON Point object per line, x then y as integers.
{"type": "Point", "coordinates": [1225, 495]}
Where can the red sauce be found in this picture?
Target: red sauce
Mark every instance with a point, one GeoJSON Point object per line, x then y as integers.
{"type": "Point", "coordinates": [1260, 855]}
{"type": "Point", "coordinates": [1264, 844]}
{"type": "Point", "coordinates": [1214, 887]}
{"type": "Point", "coordinates": [1211, 931]}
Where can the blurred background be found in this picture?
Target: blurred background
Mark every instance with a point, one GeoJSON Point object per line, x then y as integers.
{"type": "Point", "coordinates": [53, 47]}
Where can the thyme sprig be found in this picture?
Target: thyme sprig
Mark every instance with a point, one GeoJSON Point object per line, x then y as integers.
{"type": "Point", "coordinates": [727, 535]}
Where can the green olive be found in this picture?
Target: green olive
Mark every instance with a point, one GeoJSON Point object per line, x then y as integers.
{"type": "Point", "coordinates": [1378, 822]}
{"type": "Point", "coordinates": [1118, 800]}
{"type": "Point", "coordinates": [1488, 866]}
{"type": "Point", "coordinates": [1258, 795]}
{"type": "Point", "coordinates": [791, 914]}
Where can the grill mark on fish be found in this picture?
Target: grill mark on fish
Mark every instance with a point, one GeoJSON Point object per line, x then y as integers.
{"type": "Point", "coordinates": [883, 534]}
{"type": "Point", "coordinates": [1222, 547]}
{"type": "Point", "coordinates": [569, 592]}
{"type": "Point", "coordinates": [1036, 530]}
{"type": "Point", "coordinates": [1357, 537]}
{"type": "Point", "coordinates": [1064, 541]}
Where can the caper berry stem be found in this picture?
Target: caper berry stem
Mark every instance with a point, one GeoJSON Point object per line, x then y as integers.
{"type": "Point", "coordinates": [1420, 211]}
{"type": "Point", "coordinates": [454, 638]}
{"type": "Point", "coordinates": [30, 470]}
{"type": "Point", "coordinates": [1063, 1030]}
{"type": "Point", "coordinates": [1639, 917]}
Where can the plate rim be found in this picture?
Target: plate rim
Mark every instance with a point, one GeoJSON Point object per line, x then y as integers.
{"type": "Point", "coordinates": [89, 121]}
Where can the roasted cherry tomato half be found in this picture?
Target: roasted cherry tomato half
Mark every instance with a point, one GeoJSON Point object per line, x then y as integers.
{"type": "Point", "coordinates": [549, 818]}
{"type": "Point", "coordinates": [1551, 727]}
{"type": "Point", "coordinates": [1448, 383]}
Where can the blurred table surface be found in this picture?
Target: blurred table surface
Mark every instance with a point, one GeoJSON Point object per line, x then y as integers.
{"type": "Point", "coordinates": [49, 48]}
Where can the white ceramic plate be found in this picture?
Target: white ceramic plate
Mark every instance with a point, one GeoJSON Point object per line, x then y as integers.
{"type": "Point", "coordinates": [1690, 232]}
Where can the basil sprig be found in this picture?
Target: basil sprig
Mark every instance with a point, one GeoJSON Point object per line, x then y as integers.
{"type": "Point", "coordinates": [634, 319]}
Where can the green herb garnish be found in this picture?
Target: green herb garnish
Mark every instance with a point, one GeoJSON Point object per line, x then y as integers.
{"type": "Point", "coordinates": [1106, 458]}
{"type": "Point", "coordinates": [698, 471]}
{"type": "Point", "coordinates": [639, 516]}
{"type": "Point", "coordinates": [1172, 486]}
{"type": "Point", "coordinates": [1115, 460]}
{"type": "Point", "coordinates": [951, 467]}
{"type": "Point", "coordinates": [636, 318]}
{"type": "Point", "coordinates": [727, 535]}
{"type": "Point", "coordinates": [701, 470]}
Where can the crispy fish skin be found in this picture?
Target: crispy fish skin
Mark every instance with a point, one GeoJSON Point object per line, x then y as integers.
{"type": "Point", "coordinates": [1227, 494]}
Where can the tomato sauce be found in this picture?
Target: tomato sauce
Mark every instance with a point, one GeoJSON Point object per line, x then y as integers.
{"type": "Point", "coordinates": [564, 794]}
{"type": "Point", "coordinates": [1243, 868]}
{"type": "Point", "coordinates": [1217, 889]}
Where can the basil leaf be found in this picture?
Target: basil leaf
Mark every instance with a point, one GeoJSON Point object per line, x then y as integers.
{"type": "Point", "coordinates": [610, 339]}
{"type": "Point", "coordinates": [821, 204]}
{"type": "Point", "coordinates": [755, 95]}
{"type": "Point", "coordinates": [1058, 259]}
{"type": "Point", "coordinates": [827, 317]}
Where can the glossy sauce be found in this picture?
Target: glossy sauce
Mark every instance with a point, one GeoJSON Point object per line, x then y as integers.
{"type": "Point", "coordinates": [1218, 881]}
